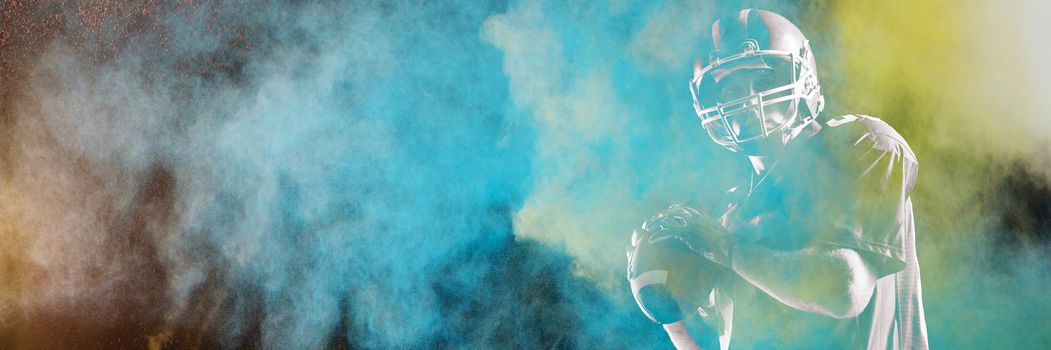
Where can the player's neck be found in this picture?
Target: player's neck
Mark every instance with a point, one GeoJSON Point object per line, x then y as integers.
{"type": "Point", "coordinates": [764, 156]}
{"type": "Point", "coordinates": [761, 164]}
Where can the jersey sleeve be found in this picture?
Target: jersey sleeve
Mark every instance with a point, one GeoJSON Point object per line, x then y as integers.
{"type": "Point", "coordinates": [875, 218]}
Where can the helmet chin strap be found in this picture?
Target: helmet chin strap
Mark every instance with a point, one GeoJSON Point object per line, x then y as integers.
{"type": "Point", "coordinates": [806, 128]}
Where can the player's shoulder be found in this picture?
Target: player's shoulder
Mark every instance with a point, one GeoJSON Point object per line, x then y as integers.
{"type": "Point", "coordinates": [871, 133]}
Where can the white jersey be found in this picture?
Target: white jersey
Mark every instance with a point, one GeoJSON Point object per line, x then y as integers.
{"type": "Point", "coordinates": [848, 186]}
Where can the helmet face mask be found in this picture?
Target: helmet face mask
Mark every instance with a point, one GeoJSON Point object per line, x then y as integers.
{"type": "Point", "coordinates": [753, 94]}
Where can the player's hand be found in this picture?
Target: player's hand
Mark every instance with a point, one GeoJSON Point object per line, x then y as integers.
{"type": "Point", "coordinates": [700, 232]}
{"type": "Point", "coordinates": [668, 270]}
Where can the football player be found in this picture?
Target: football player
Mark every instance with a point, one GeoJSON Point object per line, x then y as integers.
{"type": "Point", "coordinates": [815, 248]}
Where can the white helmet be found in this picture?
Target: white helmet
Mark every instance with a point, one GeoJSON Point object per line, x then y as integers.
{"type": "Point", "coordinates": [757, 41]}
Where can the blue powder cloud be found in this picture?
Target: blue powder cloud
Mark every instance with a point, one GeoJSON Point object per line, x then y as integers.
{"type": "Point", "coordinates": [358, 175]}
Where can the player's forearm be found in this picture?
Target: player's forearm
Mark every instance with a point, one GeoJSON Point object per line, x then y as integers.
{"type": "Point", "coordinates": [831, 281]}
{"type": "Point", "coordinates": [680, 336]}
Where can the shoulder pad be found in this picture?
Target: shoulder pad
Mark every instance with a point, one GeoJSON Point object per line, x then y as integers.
{"type": "Point", "coordinates": [883, 136]}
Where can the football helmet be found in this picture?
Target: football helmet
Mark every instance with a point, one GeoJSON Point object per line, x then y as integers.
{"type": "Point", "coordinates": [780, 94]}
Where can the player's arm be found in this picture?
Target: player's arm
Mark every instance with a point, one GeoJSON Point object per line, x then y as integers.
{"type": "Point", "coordinates": [828, 280]}
{"type": "Point", "coordinates": [835, 279]}
{"type": "Point", "coordinates": [680, 336]}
